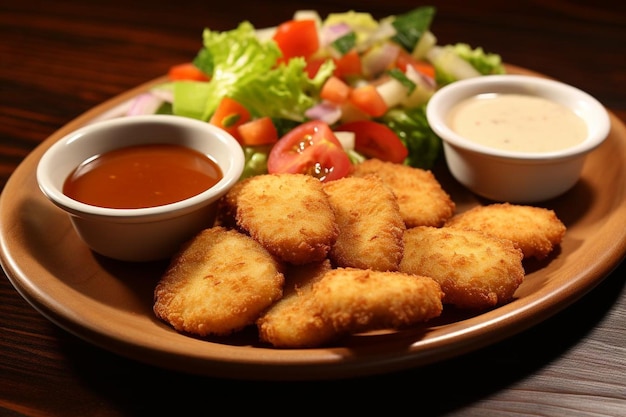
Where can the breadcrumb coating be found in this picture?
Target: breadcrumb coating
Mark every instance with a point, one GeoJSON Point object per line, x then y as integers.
{"type": "Point", "coordinates": [475, 270]}
{"type": "Point", "coordinates": [535, 230]}
{"type": "Point", "coordinates": [219, 283]}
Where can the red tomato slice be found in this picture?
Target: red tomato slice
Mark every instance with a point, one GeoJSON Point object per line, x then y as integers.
{"type": "Point", "coordinates": [376, 140]}
{"type": "Point", "coordinates": [312, 149]}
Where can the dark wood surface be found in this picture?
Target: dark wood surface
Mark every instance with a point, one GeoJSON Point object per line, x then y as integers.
{"type": "Point", "coordinates": [60, 58]}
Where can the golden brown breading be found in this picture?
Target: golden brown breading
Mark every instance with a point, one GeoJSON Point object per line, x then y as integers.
{"type": "Point", "coordinates": [369, 221]}
{"type": "Point", "coordinates": [422, 200]}
{"type": "Point", "coordinates": [290, 215]}
{"type": "Point", "coordinates": [475, 270]}
{"type": "Point", "coordinates": [293, 321]}
{"type": "Point", "coordinates": [535, 230]}
{"type": "Point", "coordinates": [324, 304]}
{"type": "Point", "coordinates": [220, 282]}
{"type": "Point", "coordinates": [358, 300]}
{"type": "Point", "coordinates": [227, 206]}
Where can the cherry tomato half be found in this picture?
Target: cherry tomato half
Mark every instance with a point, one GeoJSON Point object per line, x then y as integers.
{"type": "Point", "coordinates": [376, 140]}
{"type": "Point", "coordinates": [310, 148]}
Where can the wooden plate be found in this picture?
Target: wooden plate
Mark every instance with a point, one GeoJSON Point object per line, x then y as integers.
{"type": "Point", "coordinates": [109, 303]}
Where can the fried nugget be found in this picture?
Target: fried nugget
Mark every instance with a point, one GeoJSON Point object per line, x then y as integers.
{"type": "Point", "coordinates": [358, 300]}
{"type": "Point", "coordinates": [369, 221]}
{"type": "Point", "coordinates": [535, 230]}
{"type": "Point", "coordinates": [422, 200]}
{"type": "Point", "coordinates": [227, 206]}
{"type": "Point", "coordinates": [294, 321]}
{"type": "Point", "coordinates": [290, 215]}
{"type": "Point", "coordinates": [475, 270]}
{"type": "Point", "coordinates": [220, 282]}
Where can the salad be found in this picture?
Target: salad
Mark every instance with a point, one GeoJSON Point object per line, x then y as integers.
{"type": "Point", "coordinates": [315, 95]}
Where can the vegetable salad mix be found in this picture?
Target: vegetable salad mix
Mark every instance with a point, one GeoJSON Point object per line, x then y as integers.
{"type": "Point", "coordinates": [316, 95]}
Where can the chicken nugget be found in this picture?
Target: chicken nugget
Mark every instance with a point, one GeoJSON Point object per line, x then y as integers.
{"type": "Point", "coordinates": [422, 200]}
{"type": "Point", "coordinates": [220, 282]}
{"type": "Point", "coordinates": [227, 206]}
{"type": "Point", "coordinates": [358, 300]}
{"type": "Point", "coordinates": [369, 221]}
{"type": "Point", "coordinates": [294, 321]}
{"type": "Point", "coordinates": [290, 215]}
{"type": "Point", "coordinates": [475, 270]}
{"type": "Point", "coordinates": [535, 230]}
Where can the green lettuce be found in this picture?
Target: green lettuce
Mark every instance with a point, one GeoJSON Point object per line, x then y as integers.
{"type": "Point", "coordinates": [244, 68]}
{"type": "Point", "coordinates": [460, 61]}
{"type": "Point", "coordinates": [485, 63]}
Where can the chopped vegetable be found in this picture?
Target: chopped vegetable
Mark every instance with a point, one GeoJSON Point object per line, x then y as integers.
{"type": "Point", "coordinates": [229, 115]}
{"type": "Point", "coordinates": [372, 76]}
{"type": "Point", "coordinates": [349, 65]}
{"type": "Point", "coordinates": [458, 62]}
{"type": "Point", "coordinates": [335, 90]}
{"type": "Point", "coordinates": [256, 160]}
{"type": "Point", "coordinates": [411, 126]}
{"type": "Point", "coordinates": [259, 131]}
{"type": "Point", "coordinates": [297, 38]}
{"type": "Point", "coordinates": [411, 26]}
{"type": "Point", "coordinates": [186, 71]}
{"type": "Point", "coordinates": [424, 67]}
{"type": "Point", "coordinates": [395, 89]}
{"type": "Point", "coordinates": [244, 68]}
{"type": "Point", "coordinates": [368, 99]}
{"type": "Point", "coordinates": [376, 140]}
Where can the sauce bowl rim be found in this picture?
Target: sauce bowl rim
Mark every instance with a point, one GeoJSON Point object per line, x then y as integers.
{"type": "Point", "coordinates": [598, 123]}
{"type": "Point", "coordinates": [84, 210]}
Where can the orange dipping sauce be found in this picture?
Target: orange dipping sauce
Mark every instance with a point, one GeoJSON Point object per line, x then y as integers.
{"type": "Point", "coordinates": [142, 176]}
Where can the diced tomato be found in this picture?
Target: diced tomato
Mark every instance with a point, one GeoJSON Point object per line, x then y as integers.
{"type": "Point", "coordinates": [186, 71]}
{"type": "Point", "coordinates": [405, 59]}
{"type": "Point", "coordinates": [345, 67]}
{"type": "Point", "coordinates": [259, 131]}
{"type": "Point", "coordinates": [368, 100]}
{"type": "Point", "coordinates": [297, 38]}
{"type": "Point", "coordinates": [348, 65]}
{"type": "Point", "coordinates": [310, 148]}
{"type": "Point", "coordinates": [313, 66]}
{"type": "Point", "coordinates": [335, 90]}
{"type": "Point", "coordinates": [229, 115]}
{"type": "Point", "coordinates": [376, 140]}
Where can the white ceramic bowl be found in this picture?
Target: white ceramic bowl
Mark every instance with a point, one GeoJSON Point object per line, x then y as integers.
{"type": "Point", "coordinates": [516, 177]}
{"type": "Point", "coordinates": [143, 234]}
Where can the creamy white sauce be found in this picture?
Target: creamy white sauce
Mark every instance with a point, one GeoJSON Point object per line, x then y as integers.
{"type": "Point", "coordinates": [517, 122]}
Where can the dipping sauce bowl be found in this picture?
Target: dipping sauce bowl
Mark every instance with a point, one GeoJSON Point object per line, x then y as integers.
{"type": "Point", "coordinates": [152, 232]}
{"type": "Point", "coordinates": [518, 174]}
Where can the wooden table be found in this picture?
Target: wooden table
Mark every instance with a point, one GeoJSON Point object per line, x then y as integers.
{"type": "Point", "coordinates": [59, 59]}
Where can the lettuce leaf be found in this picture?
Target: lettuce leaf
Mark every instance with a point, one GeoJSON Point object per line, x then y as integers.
{"type": "Point", "coordinates": [284, 92]}
{"type": "Point", "coordinates": [483, 62]}
{"type": "Point", "coordinates": [244, 68]}
{"type": "Point", "coordinates": [460, 61]}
